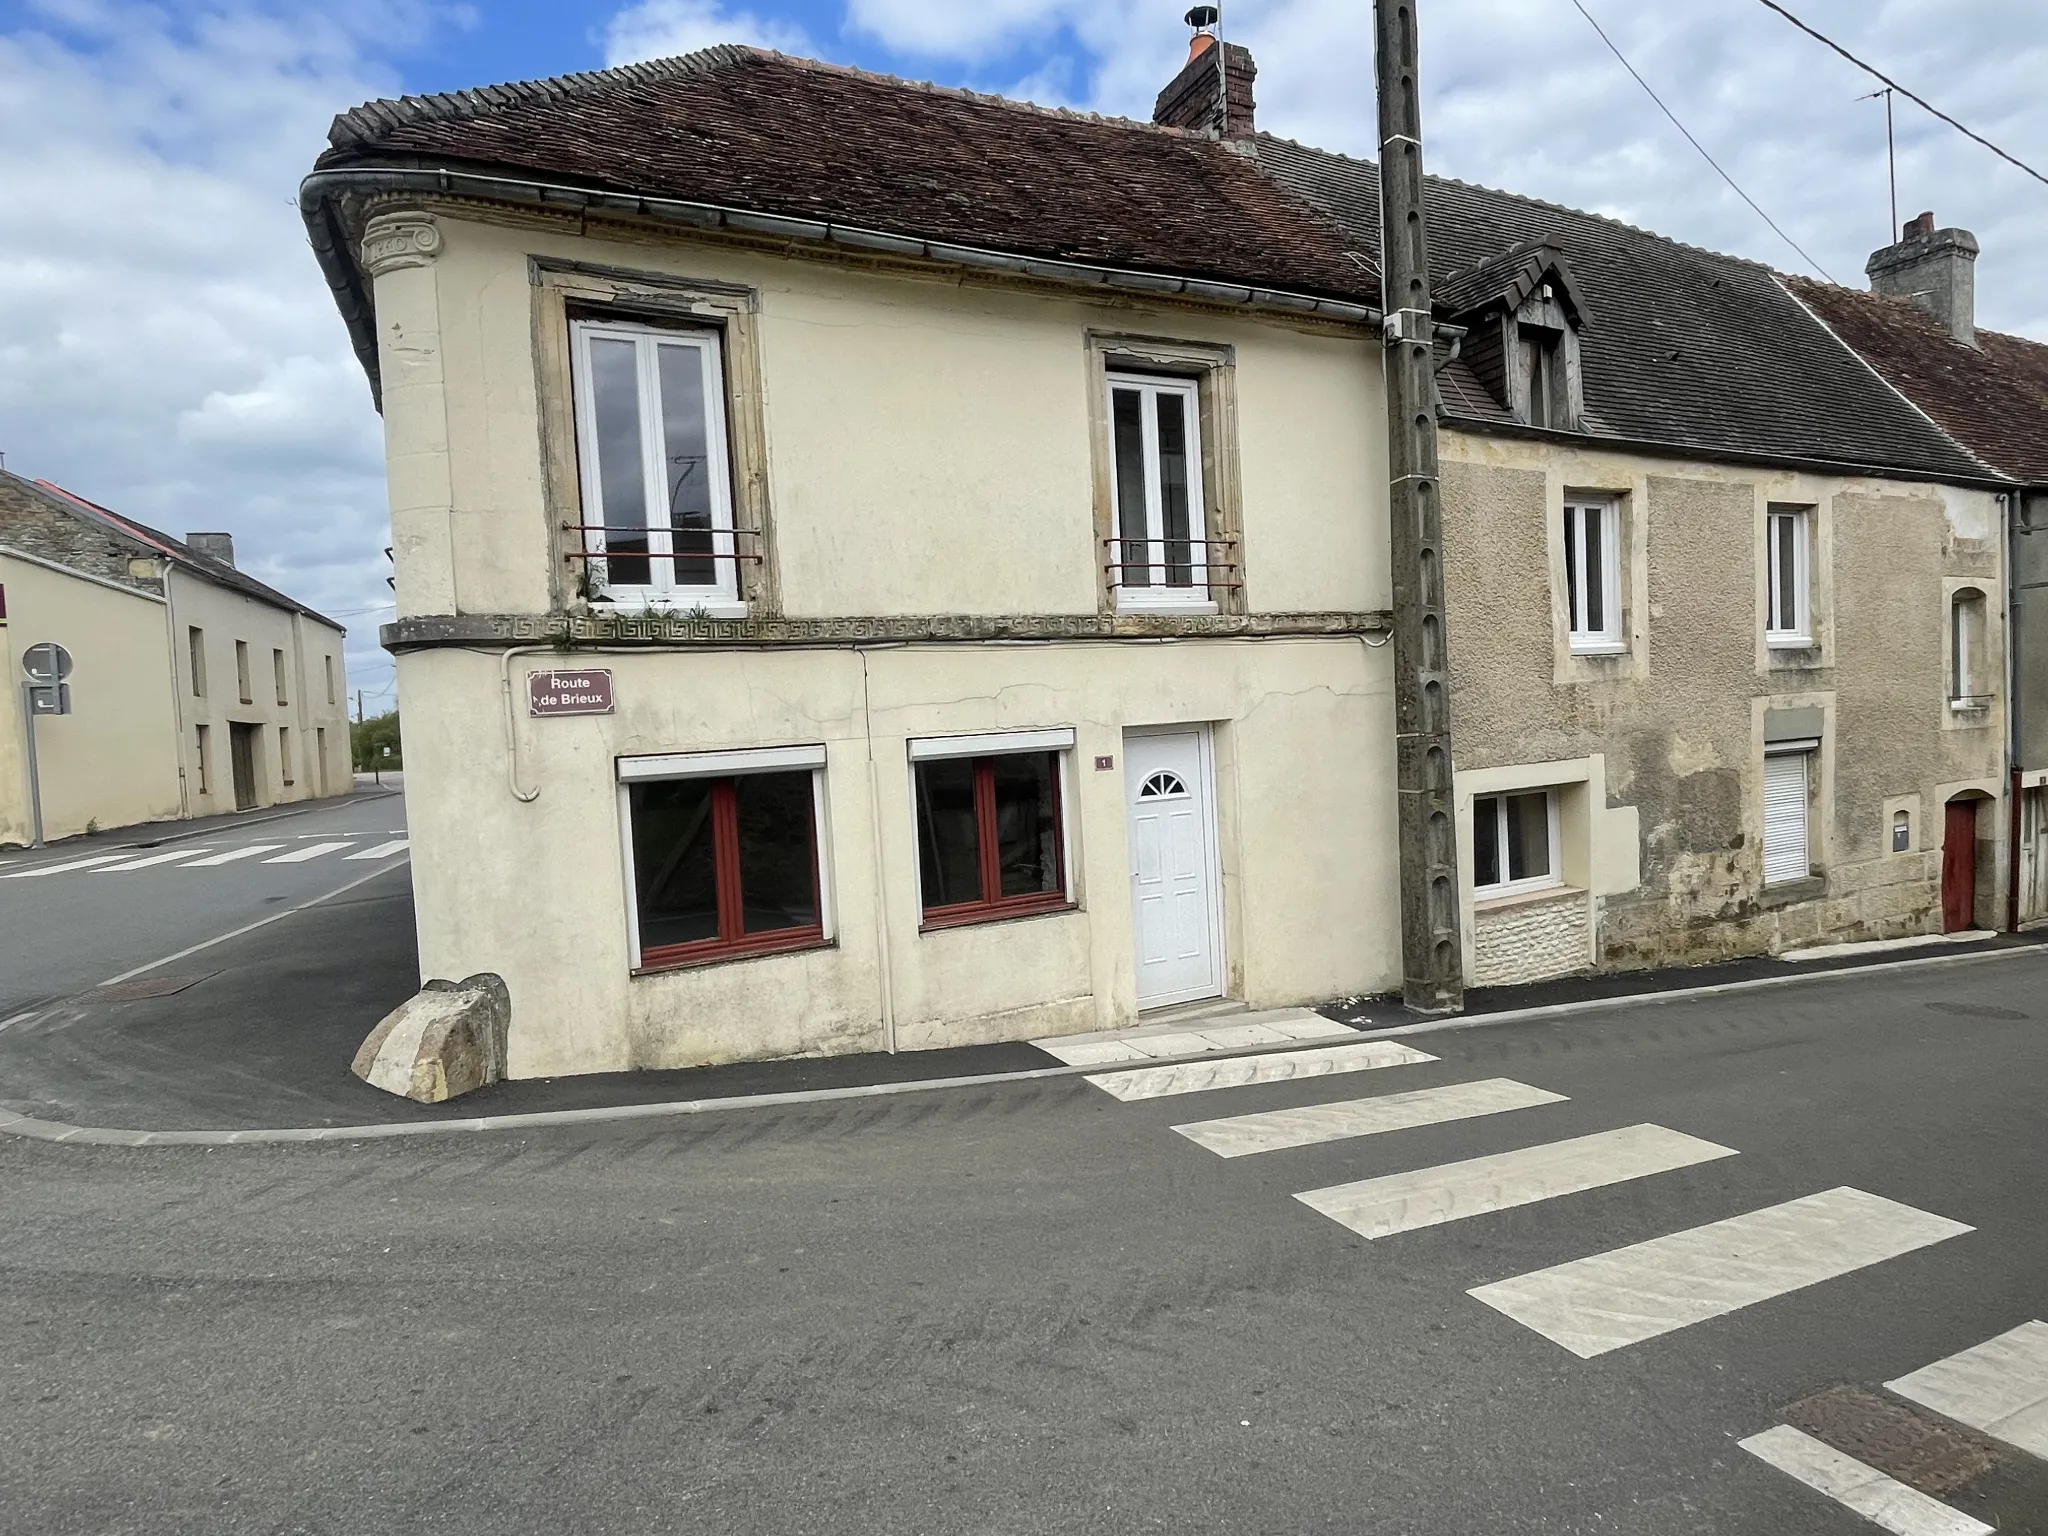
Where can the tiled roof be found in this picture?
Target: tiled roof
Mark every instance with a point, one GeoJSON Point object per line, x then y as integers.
{"type": "Point", "coordinates": [177, 551]}
{"type": "Point", "coordinates": [1507, 280]}
{"type": "Point", "coordinates": [1993, 397]}
{"type": "Point", "coordinates": [1686, 347]}
{"type": "Point", "coordinates": [742, 128]}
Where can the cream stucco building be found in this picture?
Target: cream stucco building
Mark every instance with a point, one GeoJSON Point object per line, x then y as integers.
{"type": "Point", "coordinates": [195, 688]}
{"type": "Point", "coordinates": [881, 568]}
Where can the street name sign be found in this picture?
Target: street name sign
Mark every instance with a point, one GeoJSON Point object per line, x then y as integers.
{"type": "Point", "coordinates": [588, 692]}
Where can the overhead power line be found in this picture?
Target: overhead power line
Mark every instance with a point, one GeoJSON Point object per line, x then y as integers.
{"type": "Point", "coordinates": [1695, 143]}
{"type": "Point", "coordinates": [1879, 74]}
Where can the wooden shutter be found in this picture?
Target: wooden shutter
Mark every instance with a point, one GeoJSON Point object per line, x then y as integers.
{"type": "Point", "coordinates": [1786, 855]}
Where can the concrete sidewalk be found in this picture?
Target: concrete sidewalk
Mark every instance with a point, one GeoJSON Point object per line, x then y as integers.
{"type": "Point", "coordinates": [258, 1032]}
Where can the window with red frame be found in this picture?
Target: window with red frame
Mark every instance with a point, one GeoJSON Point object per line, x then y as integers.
{"type": "Point", "coordinates": [725, 867]}
{"type": "Point", "coordinates": [988, 837]}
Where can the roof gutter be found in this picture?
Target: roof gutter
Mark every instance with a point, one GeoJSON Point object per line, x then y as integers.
{"type": "Point", "coordinates": [338, 260]}
{"type": "Point", "coordinates": [1474, 426]}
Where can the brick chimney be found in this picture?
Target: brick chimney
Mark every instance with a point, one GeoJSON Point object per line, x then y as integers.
{"type": "Point", "coordinates": [1936, 269]}
{"type": "Point", "coordinates": [1195, 98]}
{"type": "Point", "coordinates": [214, 546]}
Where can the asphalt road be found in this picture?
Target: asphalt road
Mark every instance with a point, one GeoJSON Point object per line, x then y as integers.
{"type": "Point", "coordinates": [1021, 1308]}
{"type": "Point", "coordinates": [90, 909]}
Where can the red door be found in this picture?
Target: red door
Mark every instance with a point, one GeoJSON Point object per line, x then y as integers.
{"type": "Point", "coordinates": [1959, 867]}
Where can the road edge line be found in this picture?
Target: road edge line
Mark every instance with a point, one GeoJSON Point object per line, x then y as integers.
{"type": "Point", "coordinates": [27, 1127]}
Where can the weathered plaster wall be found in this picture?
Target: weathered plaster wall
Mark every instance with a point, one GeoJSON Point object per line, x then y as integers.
{"type": "Point", "coordinates": [1679, 720]}
{"type": "Point", "coordinates": [928, 436]}
{"type": "Point", "coordinates": [538, 892]}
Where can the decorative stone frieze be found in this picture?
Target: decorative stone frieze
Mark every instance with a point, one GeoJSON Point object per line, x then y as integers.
{"type": "Point", "coordinates": [684, 630]}
{"type": "Point", "coordinates": [396, 240]}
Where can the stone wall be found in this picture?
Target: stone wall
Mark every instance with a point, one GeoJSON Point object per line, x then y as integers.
{"type": "Point", "coordinates": [1530, 939]}
{"type": "Point", "coordinates": [36, 523]}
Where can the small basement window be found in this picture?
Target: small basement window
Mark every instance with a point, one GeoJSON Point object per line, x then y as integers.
{"type": "Point", "coordinates": [1514, 843]}
{"type": "Point", "coordinates": [990, 839]}
{"type": "Point", "coordinates": [723, 864]}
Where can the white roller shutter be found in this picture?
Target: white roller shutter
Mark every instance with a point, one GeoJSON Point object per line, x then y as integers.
{"type": "Point", "coordinates": [1786, 855]}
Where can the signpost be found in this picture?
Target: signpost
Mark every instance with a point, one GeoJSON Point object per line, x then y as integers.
{"type": "Point", "coordinates": [46, 692]}
{"type": "Point", "coordinates": [585, 692]}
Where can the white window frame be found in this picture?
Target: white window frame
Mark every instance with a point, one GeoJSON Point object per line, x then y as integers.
{"type": "Point", "coordinates": [723, 765]}
{"type": "Point", "coordinates": [1793, 630]}
{"type": "Point", "coordinates": [1579, 512]}
{"type": "Point", "coordinates": [721, 598]}
{"type": "Point", "coordinates": [1550, 881]}
{"type": "Point", "coordinates": [1196, 595]}
{"type": "Point", "coordinates": [1968, 609]}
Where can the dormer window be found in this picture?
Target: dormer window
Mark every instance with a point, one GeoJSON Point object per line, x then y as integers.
{"type": "Point", "coordinates": [1540, 399]}
{"type": "Point", "coordinates": [1522, 317]}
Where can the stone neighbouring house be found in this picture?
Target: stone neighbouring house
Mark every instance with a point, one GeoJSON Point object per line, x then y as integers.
{"type": "Point", "coordinates": [1000, 656]}
{"type": "Point", "coordinates": [1703, 569]}
{"type": "Point", "coordinates": [197, 688]}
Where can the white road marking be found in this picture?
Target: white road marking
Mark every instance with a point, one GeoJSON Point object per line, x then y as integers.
{"type": "Point", "coordinates": [1596, 1304]}
{"type": "Point", "coordinates": [151, 862]}
{"type": "Point", "coordinates": [1242, 1135]}
{"type": "Point", "coordinates": [233, 854]}
{"type": "Point", "coordinates": [1999, 1386]}
{"type": "Point", "coordinates": [381, 851]}
{"type": "Point", "coordinates": [1242, 1071]}
{"type": "Point", "coordinates": [1193, 1039]}
{"type": "Point", "coordinates": [58, 869]}
{"type": "Point", "coordinates": [301, 855]}
{"type": "Point", "coordinates": [1879, 1499]}
{"type": "Point", "coordinates": [1426, 1197]}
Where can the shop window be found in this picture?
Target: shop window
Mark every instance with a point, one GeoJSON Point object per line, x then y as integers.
{"type": "Point", "coordinates": [1160, 554]}
{"type": "Point", "coordinates": [723, 866]}
{"type": "Point", "coordinates": [989, 837]}
{"type": "Point", "coordinates": [1592, 574]}
{"type": "Point", "coordinates": [1514, 843]}
{"type": "Point", "coordinates": [651, 444]}
{"type": "Point", "coordinates": [1788, 617]}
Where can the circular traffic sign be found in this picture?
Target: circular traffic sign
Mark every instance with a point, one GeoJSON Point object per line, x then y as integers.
{"type": "Point", "coordinates": [46, 662]}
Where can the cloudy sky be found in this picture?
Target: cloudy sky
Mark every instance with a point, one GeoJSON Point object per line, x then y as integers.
{"type": "Point", "coordinates": [167, 347]}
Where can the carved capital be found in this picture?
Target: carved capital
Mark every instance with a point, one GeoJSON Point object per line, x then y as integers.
{"type": "Point", "coordinates": [395, 240]}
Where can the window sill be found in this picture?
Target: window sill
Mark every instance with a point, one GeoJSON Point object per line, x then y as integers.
{"type": "Point", "coordinates": [942, 918]}
{"type": "Point", "coordinates": [691, 957]}
{"type": "Point", "coordinates": [1789, 893]}
{"type": "Point", "coordinates": [1482, 901]}
{"type": "Point", "coordinates": [1781, 645]}
{"type": "Point", "coordinates": [1165, 605]}
{"type": "Point", "coordinates": [1598, 648]}
{"type": "Point", "coordinates": [1970, 706]}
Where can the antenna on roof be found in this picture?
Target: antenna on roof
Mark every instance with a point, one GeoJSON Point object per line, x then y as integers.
{"type": "Point", "coordinates": [1891, 157]}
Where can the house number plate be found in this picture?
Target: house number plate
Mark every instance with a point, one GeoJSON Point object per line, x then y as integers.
{"type": "Point", "coordinates": [587, 692]}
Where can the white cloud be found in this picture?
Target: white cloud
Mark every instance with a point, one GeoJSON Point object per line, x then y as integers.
{"type": "Point", "coordinates": [167, 345]}
{"type": "Point", "coordinates": [1521, 94]}
{"type": "Point", "coordinates": [657, 29]}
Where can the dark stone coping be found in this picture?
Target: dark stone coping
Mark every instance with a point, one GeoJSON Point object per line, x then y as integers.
{"type": "Point", "coordinates": [681, 630]}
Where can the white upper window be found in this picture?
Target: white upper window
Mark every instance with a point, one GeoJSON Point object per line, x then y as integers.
{"type": "Point", "coordinates": [1514, 843]}
{"type": "Point", "coordinates": [1592, 574]}
{"type": "Point", "coordinates": [1159, 556]}
{"type": "Point", "coordinates": [651, 447]}
{"type": "Point", "coordinates": [1788, 616]}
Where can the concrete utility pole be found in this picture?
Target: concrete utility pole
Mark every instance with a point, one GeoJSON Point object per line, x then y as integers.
{"type": "Point", "coordinates": [1432, 966]}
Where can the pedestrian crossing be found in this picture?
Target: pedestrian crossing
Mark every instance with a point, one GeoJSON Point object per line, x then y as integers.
{"type": "Point", "coordinates": [307, 849]}
{"type": "Point", "coordinates": [1588, 1306]}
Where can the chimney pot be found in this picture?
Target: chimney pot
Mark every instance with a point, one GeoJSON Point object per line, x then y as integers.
{"type": "Point", "coordinates": [214, 546]}
{"type": "Point", "coordinates": [1934, 268]}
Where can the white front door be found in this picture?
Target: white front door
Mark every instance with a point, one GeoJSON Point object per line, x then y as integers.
{"type": "Point", "coordinates": [1177, 905]}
